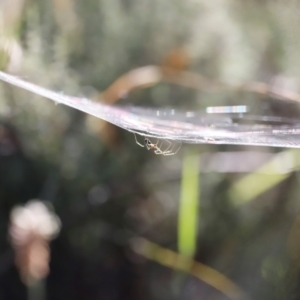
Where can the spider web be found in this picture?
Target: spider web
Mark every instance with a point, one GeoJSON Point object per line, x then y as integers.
{"type": "Point", "coordinates": [189, 127]}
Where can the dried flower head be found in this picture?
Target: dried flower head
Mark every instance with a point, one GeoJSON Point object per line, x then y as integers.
{"type": "Point", "coordinates": [32, 227]}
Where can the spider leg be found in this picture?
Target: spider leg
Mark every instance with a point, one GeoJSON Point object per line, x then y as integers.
{"type": "Point", "coordinates": [158, 147]}
{"type": "Point", "coordinates": [168, 150]}
{"type": "Point", "coordinates": [137, 141]}
{"type": "Point", "coordinates": [170, 145]}
{"type": "Point", "coordinates": [158, 151]}
{"type": "Point", "coordinates": [172, 152]}
{"type": "Point", "coordinates": [180, 144]}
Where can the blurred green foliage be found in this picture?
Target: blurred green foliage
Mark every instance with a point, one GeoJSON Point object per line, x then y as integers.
{"type": "Point", "coordinates": [108, 190]}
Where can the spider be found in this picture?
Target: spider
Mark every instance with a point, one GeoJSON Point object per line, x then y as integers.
{"type": "Point", "coordinates": [157, 147]}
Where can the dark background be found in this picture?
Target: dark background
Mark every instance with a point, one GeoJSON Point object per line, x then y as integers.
{"type": "Point", "coordinates": [106, 189]}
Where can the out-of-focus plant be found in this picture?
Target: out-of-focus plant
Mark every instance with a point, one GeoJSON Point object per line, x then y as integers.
{"type": "Point", "coordinates": [81, 47]}
{"type": "Point", "coordinates": [180, 262]}
{"type": "Point", "coordinates": [189, 205]}
{"type": "Point", "coordinates": [266, 177]}
{"type": "Point", "coordinates": [32, 227]}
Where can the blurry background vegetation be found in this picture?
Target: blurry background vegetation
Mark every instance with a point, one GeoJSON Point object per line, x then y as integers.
{"type": "Point", "coordinates": [107, 191]}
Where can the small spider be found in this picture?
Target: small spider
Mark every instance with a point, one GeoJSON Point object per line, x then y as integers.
{"type": "Point", "coordinates": [157, 147]}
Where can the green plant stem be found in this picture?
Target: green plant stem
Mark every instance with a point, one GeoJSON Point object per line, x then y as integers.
{"type": "Point", "coordinates": [189, 207]}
